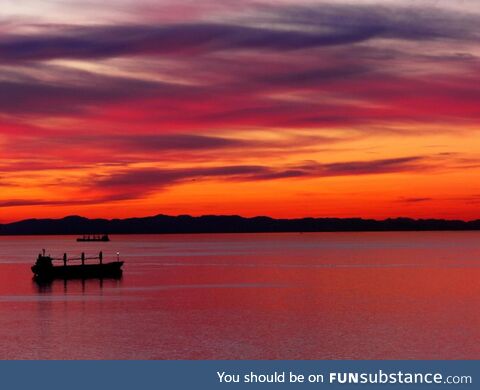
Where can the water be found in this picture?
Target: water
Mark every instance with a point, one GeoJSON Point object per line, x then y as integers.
{"type": "Point", "coordinates": [249, 296]}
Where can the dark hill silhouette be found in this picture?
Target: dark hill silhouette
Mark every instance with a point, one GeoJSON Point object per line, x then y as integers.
{"type": "Point", "coordinates": [225, 224]}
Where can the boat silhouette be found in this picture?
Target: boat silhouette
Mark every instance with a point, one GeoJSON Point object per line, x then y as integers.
{"type": "Point", "coordinates": [94, 237]}
{"type": "Point", "coordinates": [44, 268]}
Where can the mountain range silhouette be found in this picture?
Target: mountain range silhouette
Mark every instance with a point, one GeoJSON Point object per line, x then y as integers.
{"type": "Point", "coordinates": [225, 224]}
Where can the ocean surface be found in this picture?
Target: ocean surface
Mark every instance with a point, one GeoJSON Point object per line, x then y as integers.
{"type": "Point", "coordinates": [406, 295]}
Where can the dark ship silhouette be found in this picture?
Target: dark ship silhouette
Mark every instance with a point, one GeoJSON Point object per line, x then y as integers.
{"type": "Point", "coordinates": [94, 237]}
{"type": "Point", "coordinates": [44, 269]}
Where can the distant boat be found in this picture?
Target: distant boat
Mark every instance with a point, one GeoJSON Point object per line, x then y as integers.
{"type": "Point", "coordinates": [44, 269]}
{"type": "Point", "coordinates": [94, 237]}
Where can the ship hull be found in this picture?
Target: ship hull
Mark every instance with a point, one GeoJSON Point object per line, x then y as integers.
{"type": "Point", "coordinates": [86, 271]}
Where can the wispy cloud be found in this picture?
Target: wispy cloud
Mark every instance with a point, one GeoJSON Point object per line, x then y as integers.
{"type": "Point", "coordinates": [317, 26]}
{"type": "Point", "coordinates": [142, 181]}
{"type": "Point", "coordinates": [415, 200]}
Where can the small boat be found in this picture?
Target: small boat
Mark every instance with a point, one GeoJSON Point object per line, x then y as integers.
{"type": "Point", "coordinates": [44, 269]}
{"type": "Point", "coordinates": [94, 237]}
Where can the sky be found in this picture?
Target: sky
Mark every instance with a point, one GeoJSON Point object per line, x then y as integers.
{"type": "Point", "coordinates": [120, 108]}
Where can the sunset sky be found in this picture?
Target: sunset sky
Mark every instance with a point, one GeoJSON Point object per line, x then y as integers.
{"type": "Point", "coordinates": [286, 108]}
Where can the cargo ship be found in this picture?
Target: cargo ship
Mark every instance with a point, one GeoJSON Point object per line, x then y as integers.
{"type": "Point", "coordinates": [94, 237]}
{"type": "Point", "coordinates": [45, 269]}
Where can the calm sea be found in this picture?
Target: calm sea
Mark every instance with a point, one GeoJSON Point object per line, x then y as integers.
{"type": "Point", "coordinates": [249, 296]}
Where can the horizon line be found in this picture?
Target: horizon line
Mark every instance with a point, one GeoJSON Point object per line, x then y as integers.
{"type": "Point", "coordinates": [244, 217]}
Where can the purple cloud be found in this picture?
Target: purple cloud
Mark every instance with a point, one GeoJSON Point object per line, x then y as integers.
{"type": "Point", "coordinates": [143, 181]}
{"type": "Point", "coordinates": [324, 25]}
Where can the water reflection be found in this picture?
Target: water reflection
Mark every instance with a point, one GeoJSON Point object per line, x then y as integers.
{"type": "Point", "coordinates": [85, 286]}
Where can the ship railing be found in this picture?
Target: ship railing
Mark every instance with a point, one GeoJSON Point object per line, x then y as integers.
{"type": "Point", "coordinates": [82, 258]}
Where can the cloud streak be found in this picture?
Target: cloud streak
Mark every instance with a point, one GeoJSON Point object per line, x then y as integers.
{"type": "Point", "coordinates": [321, 26]}
{"type": "Point", "coordinates": [143, 181]}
